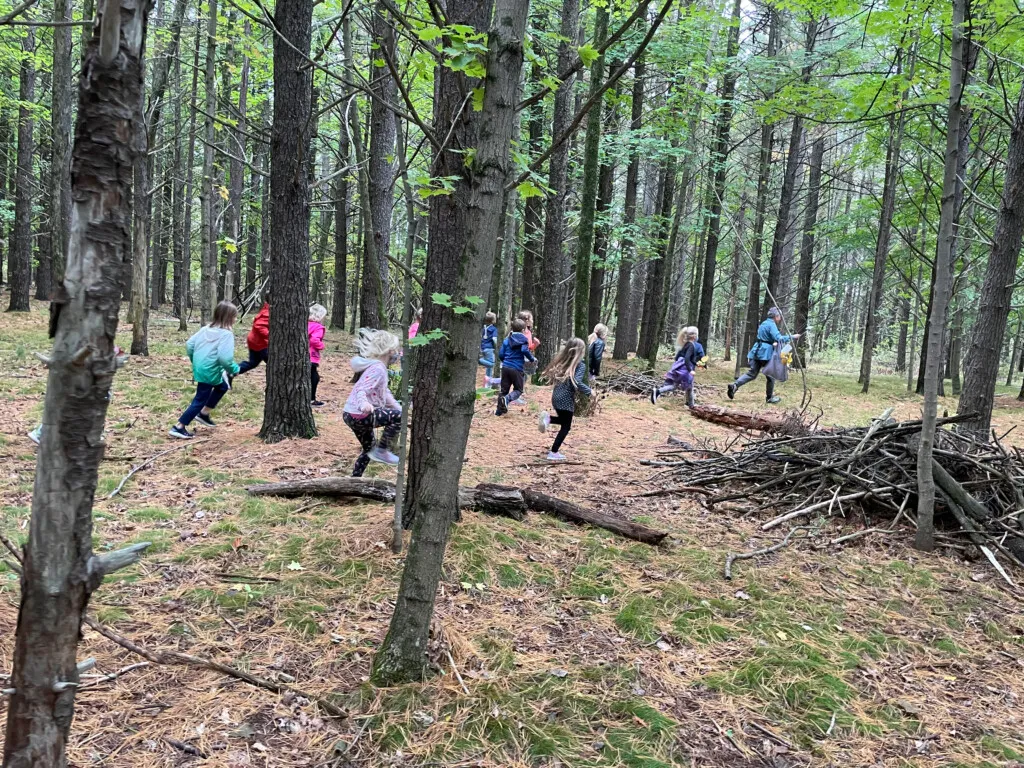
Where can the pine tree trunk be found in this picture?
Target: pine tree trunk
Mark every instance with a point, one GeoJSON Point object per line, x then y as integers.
{"type": "Point", "coordinates": [901, 342]}
{"type": "Point", "coordinates": [208, 256]}
{"type": "Point", "coordinates": [463, 227]}
{"type": "Point", "coordinates": [925, 537]}
{"type": "Point", "coordinates": [185, 288]}
{"type": "Point", "coordinates": [1014, 356]}
{"type": "Point", "coordinates": [42, 243]}
{"type": "Point", "coordinates": [61, 128]}
{"type": "Point", "coordinates": [625, 326]}
{"type": "Point", "coordinates": [719, 156]}
{"type": "Point", "coordinates": [178, 244]}
{"type": "Point", "coordinates": [605, 191]}
{"type": "Point", "coordinates": [554, 270]}
{"type": "Point", "coordinates": [803, 289]}
{"type": "Point", "coordinates": [591, 181]}
{"type": "Point", "coordinates": [19, 270]}
{"type": "Point", "coordinates": [657, 270]}
{"type": "Point", "coordinates": [533, 217]}
{"type": "Point", "coordinates": [339, 306]}
{"type": "Point", "coordinates": [733, 320]}
{"type": "Point", "coordinates": [59, 569]}
{"type": "Point", "coordinates": [997, 292]}
{"type": "Point", "coordinates": [236, 173]}
{"type": "Point", "coordinates": [138, 306]}
{"type": "Point", "coordinates": [373, 301]}
{"type": "Point", "coordinates": [287, 411]}
{"type": "Point", "coordinates": [746, 339]}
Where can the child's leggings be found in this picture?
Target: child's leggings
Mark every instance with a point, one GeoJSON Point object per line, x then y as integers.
{"type": "Point", "coordinates": [314, 379]}
{"type": "Point", "coordinates": [564, 420]}
{"type": "Point", "coordinates": [363, 427]}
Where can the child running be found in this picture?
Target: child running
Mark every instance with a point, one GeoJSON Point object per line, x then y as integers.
{"type": "Point", "coordinates": [568, 371]}
{"type": "Point", "coordinates": [488, 346]}
{"type": "Point", "coordinates": [371, 404]}
{"type": "Point", "coordinates": [530, 367]}
{"type": "Point", "coordinates": [316, 330]}
{"type": "Point", "coordinates": [212, 352]}
{"type": "Point", "coordinates": [595, 352]}
{"type": "Point", "coordinates": [680, 375]}
{"type": "Point", "coordinates": [258, 340]}
{"type": "Point", "coordinates": [514, 353]}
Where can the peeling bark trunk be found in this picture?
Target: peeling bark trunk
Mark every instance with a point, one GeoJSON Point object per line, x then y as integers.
{"type": "Point", "coordinates": [19, 270]}
{"type": "Point", "coordinates": [59, 570]}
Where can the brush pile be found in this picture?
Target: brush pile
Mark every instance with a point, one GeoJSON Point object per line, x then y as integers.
{"type": "Point", "coordinates": [632, 381]}
{"type": "Point", "coordinates": [824, 473]}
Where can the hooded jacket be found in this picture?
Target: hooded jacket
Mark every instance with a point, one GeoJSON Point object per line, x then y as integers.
{"type": "Point", "coordinates": [768, 336]}
{"type": "Point", "coordinates": [515, 350]}
{"type": "Point", "coordinates": [259, 335]}
{"type": "Point", "coordinates": [371, 391]}
{"type": "Point", "coordinates": [212, 352]}
{"type": "Point", "coordinates": [316, 340]}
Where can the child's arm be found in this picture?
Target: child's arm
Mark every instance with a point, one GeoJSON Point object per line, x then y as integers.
{"type": "Point", "coordinates": [316, 339]}
{"type": "Point", "coordinates": [226, 353]}
{"type": "Point", "coordinates": [528, 354]}
{"type": "Point", "coordinates": [581, 380]}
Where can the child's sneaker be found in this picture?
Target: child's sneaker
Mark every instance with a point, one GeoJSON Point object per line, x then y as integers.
{"type": "Point", "coordinates": [731, 391]}
{"type": "Point", "coordinates": [227, 378]}
{"type": "Point", "coordinates": [552, 456]}
{"type": "Point", "coordinates": [521, 400]}
{"type": "Point", "coordinates": [502, 408]}
{"type": "Point", "coordinates": [205, 420]}
{"type": "Point", "coordinates": [36, 435]}
{"type": "Point", "coordinates": [383, 456]}
{"type": "Point", "coordinates": [773, 400]}
{"type": "Point", "coordinates": [655, 394]}
{"type": "Point", "coordinates": [544, 422]}
{"type": "Point", "coordinates": [180, 432]}
{"type": "Point", "coordinates": [317, 404]}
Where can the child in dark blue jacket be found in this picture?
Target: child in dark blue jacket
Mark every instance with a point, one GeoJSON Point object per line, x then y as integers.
{"type": "Point", "coordinates": [488, 345]}
{"type": "Point", "coordinates": [514, 352]}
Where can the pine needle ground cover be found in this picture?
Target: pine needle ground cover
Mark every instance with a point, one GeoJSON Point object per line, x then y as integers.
{"type": "Point", "coordinates": [554, 644]}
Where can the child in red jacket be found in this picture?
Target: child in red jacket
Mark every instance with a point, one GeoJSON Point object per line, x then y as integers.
{"type": "Point", "coordinates": [316, 329]}
{"type": "Point", "coordinates": [258, 340]}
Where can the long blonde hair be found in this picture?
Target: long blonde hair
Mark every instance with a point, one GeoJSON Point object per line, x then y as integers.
{"type": "Point", "coordinates": [376, 344]}
{"type": "Point", "coordinates": [689, 333]}
{"type": "Point", "coordinates": [564, 365]}
{"type": "Point", "coordinates": [600, 331]}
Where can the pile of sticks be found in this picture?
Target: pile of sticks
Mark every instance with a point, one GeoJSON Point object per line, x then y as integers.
{"type": "Point", "coordinates": [871, 470]}
{"type": "Point", "coordinates": [631, 381]}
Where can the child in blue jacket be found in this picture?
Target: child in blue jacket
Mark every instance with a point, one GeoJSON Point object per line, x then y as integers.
{"type": "Point", "coordinates": [514, 353]}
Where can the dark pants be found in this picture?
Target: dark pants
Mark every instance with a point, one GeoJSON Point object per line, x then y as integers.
{"type": "Point", "coordinates": [391, 420]}
{"type": "Point", "coordinates": [255, 358]}
{"type": "Point", "coordinates": [514, 381]}
{"type": "Point", "coordinates": [207, 396]}
{"type": "Point", "coordinates": [595, 368]}
{"type": "Point", "coordinates": [314, 379]}
{"type": "Point", "coordinates": [756, 366]}
{"type": "Point", "coordinates": [564, 421]}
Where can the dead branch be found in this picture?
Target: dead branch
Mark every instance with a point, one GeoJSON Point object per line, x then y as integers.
{"type": "Point", "coordinates": [734, 556]}
{"type": "Point", "coordinates": [146, 463]}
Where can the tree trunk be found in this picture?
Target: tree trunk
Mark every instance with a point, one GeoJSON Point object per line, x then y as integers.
{"type": "Point", "coordinates": [732, 317]}
{"type": "Point", "coordinates": [591, 179]}
{"type": "Point", "coordinates": [925, 538]}
{"type": "Point", "coordinates": [287, 411]}
{"type": "Point", "coordinates": [1014, 356]}
{"type": "Point", "coordinates": [138, 307]}
{"type": "Point", "coordinates": [719, 156]}
{"type": "Point", "coordinates": [901, 342]}
{"type": "Point", "coordinates": [381, 171]}
{"type": "Point", "coordinates": [59, 569]}
{"type": "Point", "coordinates": [208, 256]}
{"type": "Point", "coordinates": [533, 216]}
{"type": "Point", "coordinates": [62, 92]}
{"type": "Point", "coordinates": [554, 269]}
{"type": "Point", "coordinates": [236, 178]}
{"type": "Point", "coordinates": [185, 288]}
{"type": "Point", "coordinates": [19, 270]}
{"type": "Point", "coordinates": [653, 316]}
{"type": "Point", "coordinates": [803, 289]}
{"type": "Point", "coordinates": [997, 292]}
{"type": "Point", "coordinates": [760, 213]}
{"type": "Point", "coordinates": [625, 326]}
{"type": "Point", "coordinates": [339, 306]}
{"type": "Point", "coordinates": [463, 227]}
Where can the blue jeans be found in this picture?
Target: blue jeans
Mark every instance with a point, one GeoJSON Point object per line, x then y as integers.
{"type": "Point", "coordinates": [207, 396]}
{"type": "Point", "coordinates": [487, 361]}
{"type": "Point", "coordinates": [255, 358]}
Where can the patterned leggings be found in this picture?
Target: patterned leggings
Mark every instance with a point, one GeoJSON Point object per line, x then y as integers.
{"type": "Point", "coordinates": [363, 429]}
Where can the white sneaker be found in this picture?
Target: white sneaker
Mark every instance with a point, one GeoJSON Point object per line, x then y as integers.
{"type": "Point", "coordinates": [36, 434]}
{"type": "Point", "coordinates": [521, 401]}
{"type": "Point", "coordinates": [544, 422]}
{"type": "Point", "coordinates": [552, 456]}
{"type": "Point", "coordinates": [383, 456]}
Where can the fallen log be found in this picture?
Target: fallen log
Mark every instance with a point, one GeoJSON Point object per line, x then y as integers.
{"type": "Point", "coordinates": [504, 500]}
{"type": "Point", "coordinates": [786, 423]}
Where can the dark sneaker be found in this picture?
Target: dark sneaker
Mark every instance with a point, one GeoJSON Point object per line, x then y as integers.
{"type": "Point", "coordinates": [731, 391]}
{"type": "Point", "coordinates": [655, 394]}
{"type": "Point", "coordinates": [773, 400]}
{"type": "Point", "coordinates": [205, 420]}
{"type": "Point", "coordinates": [181, 433]}
{"type": "Point", "coordinates": [317, 404]}
{"type": "Point", "coordinates": [502, 406]}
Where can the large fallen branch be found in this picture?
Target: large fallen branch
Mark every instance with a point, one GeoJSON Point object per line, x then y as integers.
{"type": "Point", "coordinates": [503, 500]}
{"type": "Point", "coordinates": [784, 423]}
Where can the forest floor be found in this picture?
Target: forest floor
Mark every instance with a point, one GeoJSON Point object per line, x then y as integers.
{"type": "Point", "coordinates": [575, 647]}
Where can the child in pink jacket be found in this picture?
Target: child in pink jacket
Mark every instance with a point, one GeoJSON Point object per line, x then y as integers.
{"type": "Point", "coordinates": [316, 329]}
{"type": "Point", "coordinates": [371, 404]}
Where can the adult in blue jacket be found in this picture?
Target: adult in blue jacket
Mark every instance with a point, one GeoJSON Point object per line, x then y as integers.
{"type": "Point", "coordinates": [768, 335]}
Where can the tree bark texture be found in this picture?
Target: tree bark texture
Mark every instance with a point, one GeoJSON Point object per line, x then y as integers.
{"type": "Point", "coordinates": [19, 270]}
{"type": "Point", "coordinates": [658, 270]}
{"type": "Point", "coordinates": [61, 86]}
{"type": "Point", "coordinates": [591, 182]}
{"type": "Point", "coordinates": [236, 180]}
{"type": "Point", "coordinates": [554, 271]}
{"type": "Point", "coordinates": [997, 291]}
{"type": "Point", "coordinates": [802, 313]}
{"type": "Point", "coordinates": [287, 411]}
{"type": "Point", "coordinates": [339, 306]}
{"type": "Point", "coordinates": [719, 157]}
{"type": "Point", "coordinates": [381, 170]}
{"type": "Point", "coordinates": [625, 329]}
{"type": "Point", "coordinates": [760, 213]}
{"type": "Point", "coordinates": [59, 569]}
{"type": "Point", "coordinates": [925, 537]}
{"type": "Point", "coordinates": [185, 287]}
{"type": "Point", "coordinates": [533, 215]}
{"type": "Point", "coordinates": [460, 263]}
{"type": "Point", "coordinates": [208, 256]}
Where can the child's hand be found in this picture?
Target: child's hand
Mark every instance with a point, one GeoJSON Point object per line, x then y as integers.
{"type": "Point", "coordinates": [367, 409]}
